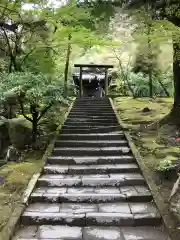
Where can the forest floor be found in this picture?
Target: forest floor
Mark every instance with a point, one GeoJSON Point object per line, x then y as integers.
{"type": "Point", "coordinates": [155, 145]}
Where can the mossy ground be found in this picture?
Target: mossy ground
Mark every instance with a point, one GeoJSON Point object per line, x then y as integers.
{"type": "Point", "coordinates": [137, 122]}
{"type": "Point", "coordinates": [14, 180]}
{"type": "Point", "coordinates": [148, 140]}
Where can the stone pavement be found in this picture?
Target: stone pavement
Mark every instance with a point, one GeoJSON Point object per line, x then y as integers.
{"type": "Point", "coordinates": [91, 188]}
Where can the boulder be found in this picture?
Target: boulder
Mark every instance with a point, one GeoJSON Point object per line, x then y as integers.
{"type": "Point", "coordinates": [146, 110]}
{"type": "Point", "coordinates": [12, 154]}
{"type": "Point", "coordinates": [4, 136]}
{"type": "Point", "coordinates": [20, 132]}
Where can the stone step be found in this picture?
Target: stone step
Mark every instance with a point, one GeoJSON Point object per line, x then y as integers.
{"type": "Point", "coordinates": [87, 151]}
{"type": "Point", "coordinates": [137, 194]}
{"type": "Point", "coordinates": [90, 127]}
{"type": "Point", "coordinates": [92, 130]}
{"type": "Point", "coordinates": [93, 160]}
{"type": "Point", "coordinates": [98, 114]}
{"type": "Point", "coordinates": [91, 100]}
{"type": "Point", "coordinates": [92, 117]}
{"type": "Point", "coordinates": [79, 208]}
{"type": "Point", "coordinates": [90, 112]}
{"type": "Point", "coordinates": [89, 124]}
{"type": "Point", "coordinates": [91, 121]}
{"type": "Point", "coordinates": [103, 180]}
{"type": "Point", "coordinates": [58, 232]}
{"type": "Point", "coordinates": [92, 108]}
{"type": "Point", "coordinates": [93, 136]}
{"type": "Point", "coordinates": [91, 169]}
{"type": "Point", "coordinates": [91, 219]}
{"type": "Point", "coordinates": [83, 143]}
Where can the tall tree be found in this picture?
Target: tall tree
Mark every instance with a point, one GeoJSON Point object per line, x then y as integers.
{"type": "Point", "coordinates": [168, 10]}
{"type": "Point", "coordinates": [21, 31]}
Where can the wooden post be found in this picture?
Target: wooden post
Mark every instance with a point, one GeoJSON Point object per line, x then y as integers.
{"type": "Point", "coordinates": [106, 82]}
{"type": "Point", "coordinates": [81, 85]}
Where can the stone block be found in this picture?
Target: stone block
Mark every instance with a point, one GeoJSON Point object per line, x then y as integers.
{"type": "Point", "coordinates": [114, 208]}
{"type": "Point", "coordinates": [60, 232]}
{"type": "Point", "coordinates": [102, 233]}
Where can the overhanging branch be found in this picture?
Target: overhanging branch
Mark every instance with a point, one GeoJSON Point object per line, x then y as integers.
{"type": "Point", "coordinates": [22, 110]}
{"type": "Point", "coordinates": [45, 109]}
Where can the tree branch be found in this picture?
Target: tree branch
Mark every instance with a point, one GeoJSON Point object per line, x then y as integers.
{"type": "Point", "coordinates": [2, 15]}
{"type": "Point", "coordinates": [8, 43]}
{"type": "Point", "coordinates": [45, 109]}
{"type": "Point", "coordinates": [27, 55]}
{"type": "Point", "coordinates": [22, 110]}
{"type": "Point", "coordinates": [11, 10]}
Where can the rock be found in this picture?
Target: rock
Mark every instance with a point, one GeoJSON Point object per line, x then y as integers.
{"type": "Point", "coordinates": [12, 154]}
{"type": "Point", "coordinates": [20, 132]}
{"type": "Point", "coordinates": [146, 109]}
{"type": "Point", "coordinates": [4, 136]}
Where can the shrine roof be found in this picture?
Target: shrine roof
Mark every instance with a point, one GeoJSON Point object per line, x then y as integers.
{"type": "Point", "coordinates": [94, 65]}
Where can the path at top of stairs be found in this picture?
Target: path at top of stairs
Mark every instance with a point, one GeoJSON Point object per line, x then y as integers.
{"type": "Point", "coordinates": [91, 188]}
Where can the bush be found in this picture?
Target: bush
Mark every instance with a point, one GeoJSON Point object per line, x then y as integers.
{"type": "Point", "coordinates": [167, 164]}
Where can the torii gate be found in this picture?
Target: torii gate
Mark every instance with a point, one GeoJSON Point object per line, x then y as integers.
{"type": "Point", "coordinates": [99, 66]}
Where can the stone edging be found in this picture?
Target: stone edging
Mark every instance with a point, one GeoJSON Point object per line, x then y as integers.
{"type": "Point", "coordinates": [158, 198]}
{"type": "Point", "coordinates": [9, 229]}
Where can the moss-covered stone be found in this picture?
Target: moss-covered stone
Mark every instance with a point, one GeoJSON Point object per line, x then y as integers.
{"type": "Point", "coordinates": [20, 132]}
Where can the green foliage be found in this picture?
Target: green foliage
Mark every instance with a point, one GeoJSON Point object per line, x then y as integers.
{"type": "Point", "coordinates": [166, 164]}
{"type": "Point", "coordinates": [139, 85]}
{"type": "Point", "coordinates": [146, 60]}
{"type": "Point", "coordinates": [36, 89]}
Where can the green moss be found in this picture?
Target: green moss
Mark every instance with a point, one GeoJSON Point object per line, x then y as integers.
{"type": "Point", "coordinates": [16, 177]}
{"type": "Point", "coordinates": [147, 141]}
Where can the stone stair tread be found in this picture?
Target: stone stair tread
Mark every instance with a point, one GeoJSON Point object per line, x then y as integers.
{"type": "Point", "coordinates": [78, 208]}
{"type": "Point", "coordinates": [91, 123]}
{"type": "Point", "coordinates": [91, 118]}
{"type": "Point", "coordinates": [90, 144]}
{"type": "Point", "coordinates": [91, 218]}
{"type": "Point", "coordinates": [91, 151]}
{"type": "Point", "coordinates": [90, 194]}
{"type": "Point", "coordinates": [65, 169]}
{"type": "Point", "coordinates": [125, 149]}
{"type": "Point", "coordinates": [92, 141]}
{"type": "Point", "coordinates": [92, 130]}
{"type": "Point", "coordinates": [134, 189]}
{"type": "Point", "coordinates": [91, 180]}
{"type": "Point", "coordinates": [90, 159]}
{"type": "Point", "coordinates": [58, 232]}
{"type": "Point", "coordinates": [94, 176]}
{"type": "Point", "coordinates": [118, 133]}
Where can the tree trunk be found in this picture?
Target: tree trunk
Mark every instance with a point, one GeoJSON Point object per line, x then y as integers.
{"type": "Point", "coordinates": [176, 73]}
{"type": "Point", "coordinates": [163, 87]}
{"type": "Point", "coordinates": [66, 70]}
{"type": "Point", "coordinates": [174, 116]}
{"type": "Point", "coordinates": [150, 83]}
{"type": "Point", "coordinates": [34, 130]}
{"type": "Point", "coordinates": [34, 112]}
{"type": "Point", "coordinates": [10, 65]}
{"type": "Point", "coordinates": [150, 71]}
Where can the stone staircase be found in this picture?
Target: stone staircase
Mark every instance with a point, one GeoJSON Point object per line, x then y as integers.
{"type": "Point", "coordinates": [91, 188]}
